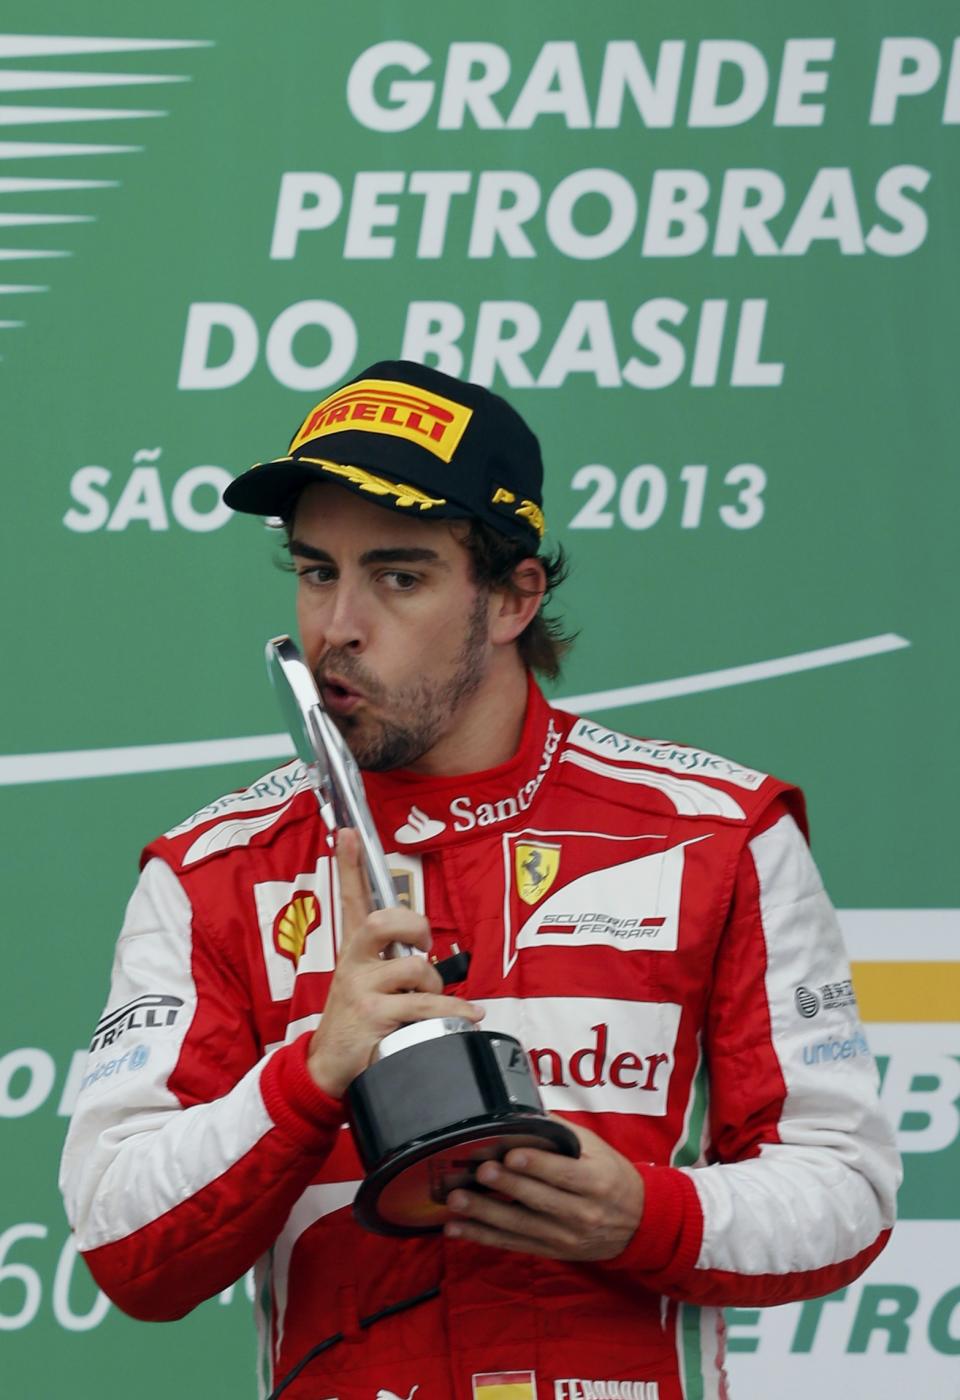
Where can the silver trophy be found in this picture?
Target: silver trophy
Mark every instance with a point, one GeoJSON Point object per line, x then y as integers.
{"type": "Point", "coordinates": [440, 1096]}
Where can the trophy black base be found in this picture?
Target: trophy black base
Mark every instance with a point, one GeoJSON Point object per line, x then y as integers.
{"type": "Point", "coordinates": [426, 1117]}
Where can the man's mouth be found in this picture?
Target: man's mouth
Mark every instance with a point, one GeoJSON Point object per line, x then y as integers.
{"type": "Point", "coordinates": [338, 697]}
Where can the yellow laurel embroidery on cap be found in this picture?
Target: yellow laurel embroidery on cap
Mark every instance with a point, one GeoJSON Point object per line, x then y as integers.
{"type": "Point", "coordinates": [378, 485]}
{"type": "Point", "coordinates": [529, 510]}
{"type": "Point", "coordinates": [390, 408]}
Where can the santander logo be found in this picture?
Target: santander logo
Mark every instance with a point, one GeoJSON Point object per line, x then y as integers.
{"type": "Point", "coordinates": [593, 1066]}
{"type": "Point", "coordinates": [418, 827]}
{"type": "Point", "coordinates": [594, 1054]}
{"type": "Point", "coordinates": [467, 812]}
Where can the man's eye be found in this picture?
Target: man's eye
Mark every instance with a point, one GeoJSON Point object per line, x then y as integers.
{"type": "Point", "coordinates": [315, 575]}
{"type": "Point", "coordinates": [401, 581]}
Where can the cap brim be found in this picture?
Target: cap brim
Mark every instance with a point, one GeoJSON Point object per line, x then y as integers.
{"type": "Point", "coordinates": [272, 488]}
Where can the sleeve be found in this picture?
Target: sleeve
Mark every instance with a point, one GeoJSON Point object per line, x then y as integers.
{"type": "Point", "coordinates": [187, 1148]}
{"type": "Point", "coordinates": [797, 1194]}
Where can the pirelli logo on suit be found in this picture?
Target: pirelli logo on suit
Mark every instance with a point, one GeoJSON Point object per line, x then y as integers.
{"type": "Point", "coordinates": [397, 410]}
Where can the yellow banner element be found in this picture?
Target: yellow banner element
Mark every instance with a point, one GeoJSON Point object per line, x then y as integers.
{"type": "Point", "coordinates": [905, 991]}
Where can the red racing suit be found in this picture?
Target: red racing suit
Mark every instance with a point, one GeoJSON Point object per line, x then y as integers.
{"type": "Point", "coordinates": [646, 919]}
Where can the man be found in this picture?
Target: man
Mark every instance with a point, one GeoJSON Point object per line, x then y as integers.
{"type": "Point", "coordinates": [643, 916]}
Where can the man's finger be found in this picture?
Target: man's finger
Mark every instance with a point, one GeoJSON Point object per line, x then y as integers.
{"type": "Point", "coordinates": [509, 1219]}
{"type": "Point", "coordinates": [399, 925]}
{"type": "Point", "coordinates": [528, 1191]}
{"type": "Point", "coordinates": [354, 896]}
{"type": "Point", "coordinates": [422, 1006]}
{"type": "Point", "coordinates": [405, 975]}
{"type": "Point", "coordinates": [553, 1168]}
{"type": "Point", "coordinates": [476, 1233]}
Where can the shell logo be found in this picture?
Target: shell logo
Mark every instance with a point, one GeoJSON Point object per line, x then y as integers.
{"type": "Point", "coordinates": [294, 924]}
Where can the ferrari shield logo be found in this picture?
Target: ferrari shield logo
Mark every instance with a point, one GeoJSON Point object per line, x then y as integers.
{"type": "Point", "coordinates": [536, 869]}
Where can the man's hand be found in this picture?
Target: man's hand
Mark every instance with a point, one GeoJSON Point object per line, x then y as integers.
{"type": "Point", "coordinates": [369, 995]}
{"type": "Point", "coordinates": [559, 1207]}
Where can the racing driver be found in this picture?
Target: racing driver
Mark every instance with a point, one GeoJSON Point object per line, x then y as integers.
{"type": "Point", "coordinates": [644, 917]}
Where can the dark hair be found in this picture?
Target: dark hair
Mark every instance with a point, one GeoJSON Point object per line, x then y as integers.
{"type": "Point", "coordinates": [543, 643]}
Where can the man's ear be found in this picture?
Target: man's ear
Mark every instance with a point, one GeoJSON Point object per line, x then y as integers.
{"type": "Point", "coordinates": [513, 608]}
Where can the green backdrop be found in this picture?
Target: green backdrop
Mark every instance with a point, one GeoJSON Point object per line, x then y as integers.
{"type": "Point", "coordinates": [710, 254]}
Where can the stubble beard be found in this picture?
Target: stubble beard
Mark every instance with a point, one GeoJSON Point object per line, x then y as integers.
{"type": "Point", "coordinates": [426, 706]}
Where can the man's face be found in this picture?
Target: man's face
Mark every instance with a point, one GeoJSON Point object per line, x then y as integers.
{"type": "Point", "coordinates": [392, 625]}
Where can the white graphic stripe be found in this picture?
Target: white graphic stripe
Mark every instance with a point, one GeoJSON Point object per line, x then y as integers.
{"type": "Point", "coordinates": [12, 185]}
{"type": "Point", "coordinates": [15, 115]}
{"type": "Point", "coordinates": [30, 116]}
{"type": "Point", "coordinates": [15, 287]}
{"type": "Point", "coordinates": [27, 150]}
{"type": "Point", "coordinates": [918, 1042]}
{"type": "Point", "coordinates": [45, 45]}
{"type": "Point", "coordinates": [235, 831]}
{"type": "Point", "coordinates": [733, 675]}
{"type": "Point", "coordinates": [27, 254]}
{"type": "Point", "coordinates": [23, 220]}
{"type": "Point", "coordinates": [901, 935]}
{"type": "Point", "coordinates": [13, 80]}
{"type": "Point", "coordinates": [146, 758]}
{"type": "Point", "coordinates": [689, 797]}
{"type": "Point", "coordinates": [152, 758]}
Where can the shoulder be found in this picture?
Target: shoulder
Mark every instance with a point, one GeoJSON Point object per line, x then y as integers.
{"type": "Point", "coordinates": [258, 813]}
{"type": "Point", "coordinates": [692, 781]}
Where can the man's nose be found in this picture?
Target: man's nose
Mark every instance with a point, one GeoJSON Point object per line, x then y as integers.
{"type": "Point", "coordinates": [346, 624]}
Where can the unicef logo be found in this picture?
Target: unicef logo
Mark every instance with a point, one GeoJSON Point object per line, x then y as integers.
{"type": "Point", "coordinates": [139, 1057]}
{"type": "Point", "coordinates": [808, 1003]}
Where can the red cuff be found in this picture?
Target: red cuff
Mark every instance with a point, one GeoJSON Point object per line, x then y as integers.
{"type": "Point", "coordinates": [666, 1243]}
{"type": "Point", "coordinates": [295, 1102]}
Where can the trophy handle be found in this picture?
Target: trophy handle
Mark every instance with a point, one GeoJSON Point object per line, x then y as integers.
{"type": "Point", "coordinates": [331, 766]}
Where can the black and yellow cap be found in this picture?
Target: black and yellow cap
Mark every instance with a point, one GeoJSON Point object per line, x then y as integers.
{"type": "Point", "coordinates": [413, 440]}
